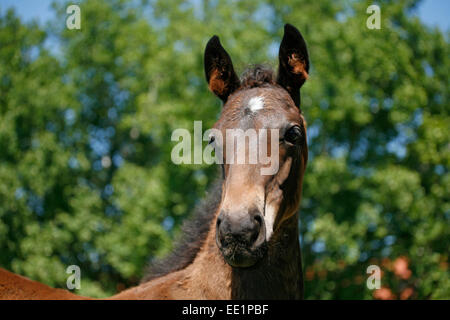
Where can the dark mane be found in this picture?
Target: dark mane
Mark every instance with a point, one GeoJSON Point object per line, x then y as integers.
{"type": "Point", "coordinates": [193, 233]}
{"type": "Point", "coordinates": [257, 76]}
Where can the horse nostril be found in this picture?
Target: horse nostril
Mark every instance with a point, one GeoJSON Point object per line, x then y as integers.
{"type": "Point", "coordinates": [256, 228]}
{"type": "Point", "coordinates": [219, 231]}
{"type": "Point", "coordinates": [218, 228]}
{"type": "Point", "coordinates": [219, 221]}
{"type": "Point", "coordinates": [258, 220]}
{"type": "Point", "coordinates": [259, 235]}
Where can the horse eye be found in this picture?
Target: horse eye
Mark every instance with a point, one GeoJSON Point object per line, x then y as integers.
{"type": "Point", "coordinates": [293, 135]}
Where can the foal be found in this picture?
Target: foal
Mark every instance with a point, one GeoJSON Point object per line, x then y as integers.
{"type": "Point", "coordinates": [249, 248]}
{"type": "Point", "coordinates": [244, 244]}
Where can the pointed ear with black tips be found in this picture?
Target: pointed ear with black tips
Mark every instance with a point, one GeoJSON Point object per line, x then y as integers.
{"type": "Point", "coordinates": [219, 71]}
{"type": "Point", "coordinates": [293, 62]}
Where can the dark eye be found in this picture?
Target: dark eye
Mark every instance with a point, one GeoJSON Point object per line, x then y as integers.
{"type": "Point", "coordinates": [293, 135]}
{"type": "Point", "coordinates": [211, 139]}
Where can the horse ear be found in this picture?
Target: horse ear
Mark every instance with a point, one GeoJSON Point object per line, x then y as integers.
{"type": "Point", "coordinates": [219, 71]}
{"type": "Point", "coordinates": [293, 62]}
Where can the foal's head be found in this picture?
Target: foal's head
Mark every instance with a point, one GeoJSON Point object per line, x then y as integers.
{"type": "Point", "coordinates": [255, 199]}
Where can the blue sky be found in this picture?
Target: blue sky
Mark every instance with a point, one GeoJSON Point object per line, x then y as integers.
{"type": "Point", "coordinates": [432, 12]}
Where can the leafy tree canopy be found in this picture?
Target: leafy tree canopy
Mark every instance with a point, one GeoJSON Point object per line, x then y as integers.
{"type": "Point", "coordinates": [86, 118]}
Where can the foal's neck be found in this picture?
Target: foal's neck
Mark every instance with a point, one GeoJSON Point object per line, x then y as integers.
{"type": "Point", "coordinates": [277, 276]}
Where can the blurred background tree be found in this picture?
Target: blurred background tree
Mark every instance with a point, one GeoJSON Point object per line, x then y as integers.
{"type": "Point", "coordinates": [86, 118]}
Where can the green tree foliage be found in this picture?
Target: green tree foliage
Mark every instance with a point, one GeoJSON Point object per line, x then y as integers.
{"type": "Point", "coordinates": [86, 118]}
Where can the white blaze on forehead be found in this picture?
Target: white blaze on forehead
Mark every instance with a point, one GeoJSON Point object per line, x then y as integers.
{"type": "Point", "coordinates": [256, 103]}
